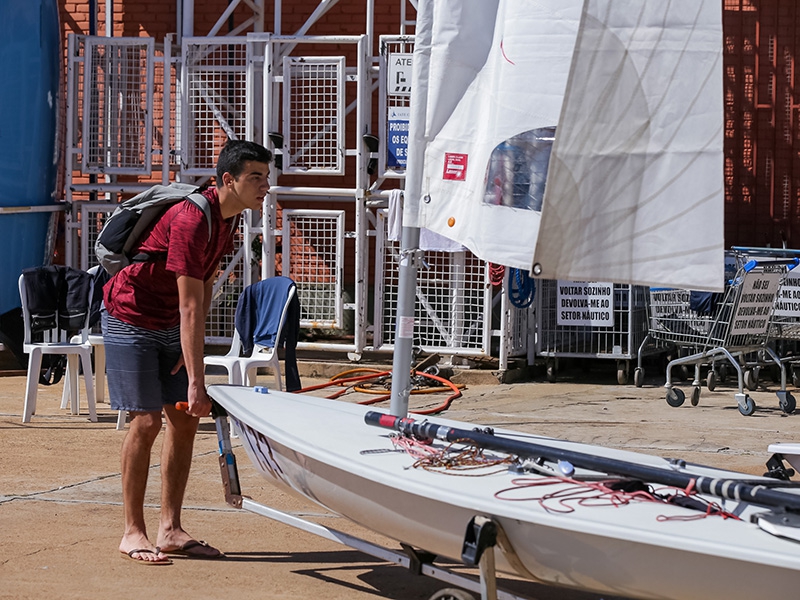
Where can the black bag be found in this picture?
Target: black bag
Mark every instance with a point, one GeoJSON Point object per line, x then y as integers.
{"type": "Point", "coordinates": [57, 298]}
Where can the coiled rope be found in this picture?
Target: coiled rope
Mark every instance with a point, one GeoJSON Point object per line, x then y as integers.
{"type": "Point", "coordinates": [522, 287]}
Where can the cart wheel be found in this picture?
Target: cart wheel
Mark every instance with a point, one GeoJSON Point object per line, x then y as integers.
{"type": "Point", "coordinates": [788, 403]}
{"type": "Point", "coordinates": [675, 397]}
{"type": "Point", "coordinates": [722, 373]}
{"type": "Point", "coordinates": [622, 373]}
{"type": "Point", "coordinates": [749, 406]}
{"type": "Point", "coordinates": [695, 397]}
{"type": "Point", "coordinates": [711, 381]}
{"type": "Point", "coordinates": [751, 379]}
{"type": "Point", "coordinates": [452, 594]}
{"type": "Point", "coordinates": [551, 371]}
{"type": "Point", "coordinates": [638, 377]}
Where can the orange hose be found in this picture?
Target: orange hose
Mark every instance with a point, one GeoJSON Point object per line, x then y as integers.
{"type": "Point", "coordinates": [341, 379]}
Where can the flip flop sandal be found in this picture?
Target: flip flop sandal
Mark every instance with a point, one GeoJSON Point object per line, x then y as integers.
{"type": "Point", "coordinates": [189, 549]}
{"type": "Point", "coordinates": [149, 563]}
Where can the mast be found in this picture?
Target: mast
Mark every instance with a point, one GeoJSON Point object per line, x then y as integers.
{"type": "Point", "coordinates": [410, 254]}
{"type": "Point", "coordinates": [404, 332]}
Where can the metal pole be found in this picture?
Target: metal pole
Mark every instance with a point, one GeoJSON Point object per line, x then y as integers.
{"type": "Point", "coordinates": [109, 18]}
{"type": "Point", "coordinates": [187, 24]}
{"type": "Point", "coordinates": [404, 328]}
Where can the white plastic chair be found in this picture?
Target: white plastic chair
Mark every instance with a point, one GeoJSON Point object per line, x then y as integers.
{"type": "Point", "coordinates": [98, 349]}
{"type": "Point", "coordinates": [55, 342]}
{"type": "Point", "coordinates": [243, 370]}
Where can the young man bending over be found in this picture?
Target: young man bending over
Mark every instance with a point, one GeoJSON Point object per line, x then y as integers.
{"type": "Point", "coordinates": [154, 330]}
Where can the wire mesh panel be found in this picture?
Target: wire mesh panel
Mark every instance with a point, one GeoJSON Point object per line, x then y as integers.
{"type": "Point", "coordinates": [164, 119]}
{"type": "Point", "coordinates": [451, 303]}
{"type": "Point", "coordinates": [228, 287]}
{"type": "Point", "coordinates": [74, 98]}
{"type": "Point", "coordinates": [118, 105]}
{"type": "Point", "coordinates": [517, 337]}
{"type": "Point", "coordinates": [313, 115]}
{"type": "Point", "coordinates": [93, 216]}
{"type": "Point", "coordinates": [214, 100]}
{"type": "Point", "coordinates": [312, 256]}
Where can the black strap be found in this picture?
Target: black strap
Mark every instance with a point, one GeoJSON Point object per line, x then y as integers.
{"type": "Point", "coordinates": [53, 373]}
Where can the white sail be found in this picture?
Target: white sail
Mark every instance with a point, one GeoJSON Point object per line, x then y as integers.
{"type": "Point", "coordinates": [632, 93]}
{"type": "Point", "coordinates": [635, 187]}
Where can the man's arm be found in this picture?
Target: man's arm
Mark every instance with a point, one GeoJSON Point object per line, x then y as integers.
{"type": "Point", "coordinates": [195, 300]}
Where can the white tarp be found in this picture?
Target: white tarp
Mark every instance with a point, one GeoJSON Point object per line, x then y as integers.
{"type": "Point", "coordinates": [634, 189]}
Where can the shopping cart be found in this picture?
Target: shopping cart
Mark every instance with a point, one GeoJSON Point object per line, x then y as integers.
{"type": "Point", "coordinates": [726, 327]}
{"type": "Point", "coordinates": [784, 325]}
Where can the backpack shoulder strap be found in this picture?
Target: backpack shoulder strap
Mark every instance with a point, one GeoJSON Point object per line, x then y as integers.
{"type": "Point", "coordinates": [201, 202]}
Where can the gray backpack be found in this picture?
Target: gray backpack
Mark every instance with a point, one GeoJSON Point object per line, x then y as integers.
{"type": "Point", "coordinates": [130, 219]}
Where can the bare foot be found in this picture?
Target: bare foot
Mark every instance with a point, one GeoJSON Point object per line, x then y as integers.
{"type": "Point", "coordinates": [140, 549]}
{"type": "Point", "coordinates": [180, 543]}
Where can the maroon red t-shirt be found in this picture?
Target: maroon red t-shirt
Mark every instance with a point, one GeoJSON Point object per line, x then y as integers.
{"type": "Point", "coordinates": [145, 294]}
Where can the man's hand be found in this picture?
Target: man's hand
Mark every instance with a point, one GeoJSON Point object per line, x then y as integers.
{"type": "Point", "coordinates": [194, 296]}
{"type": "Point", "coordinates": [199, 402]}
{"type": "Point", "coordinates": [178, 366]}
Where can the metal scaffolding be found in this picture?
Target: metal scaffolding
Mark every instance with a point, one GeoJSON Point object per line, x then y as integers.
{"type": "Point", "coordinates": [160, 112]}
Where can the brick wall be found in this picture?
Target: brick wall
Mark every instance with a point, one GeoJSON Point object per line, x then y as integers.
{"type": "Point", "coordinates": [761, 132]}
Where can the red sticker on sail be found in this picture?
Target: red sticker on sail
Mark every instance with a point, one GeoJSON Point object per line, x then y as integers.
{"type": "Point", "coordinates": [455, 166]}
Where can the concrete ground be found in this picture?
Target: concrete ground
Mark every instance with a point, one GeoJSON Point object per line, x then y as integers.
{"type": "Point", "coordinates": [60, 491]}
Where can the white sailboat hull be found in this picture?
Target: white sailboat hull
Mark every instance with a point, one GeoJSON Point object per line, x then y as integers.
{"type": "Point", "coordinates": [323, 450]}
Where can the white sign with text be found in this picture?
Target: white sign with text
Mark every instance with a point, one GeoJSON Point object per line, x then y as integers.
{"type": "Point", "coordinates": [755, 303]}
{"type": "Point", "coordinates": [585, 303]}
{"type": "Point", "coordinates": [788, 301]}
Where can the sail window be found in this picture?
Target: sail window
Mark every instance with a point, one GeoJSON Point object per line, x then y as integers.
{"type": "Point", "coordinates": [517, 170]}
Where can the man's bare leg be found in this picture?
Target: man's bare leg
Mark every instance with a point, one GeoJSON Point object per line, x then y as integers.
{"type": "Point", "coordinates": [136, 448]}
{"type": "Point", "coordinates": [176, 460]}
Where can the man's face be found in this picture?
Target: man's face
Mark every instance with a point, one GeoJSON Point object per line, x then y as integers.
{"type": "Point", "coordinates": [252, 184]}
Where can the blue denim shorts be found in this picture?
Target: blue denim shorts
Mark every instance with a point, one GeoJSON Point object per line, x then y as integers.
{"type": "Point", "coordinates": [139, 364]}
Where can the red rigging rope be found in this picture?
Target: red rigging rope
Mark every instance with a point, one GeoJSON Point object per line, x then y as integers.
{"type": "Point", "coordinates": [496, 274]}
{"type": "Point", "coordinates": [609, 492]}
{"type": "Point", "coordinates": [460, 457]}
{"type": "Point", "coordinates": [449, 459]}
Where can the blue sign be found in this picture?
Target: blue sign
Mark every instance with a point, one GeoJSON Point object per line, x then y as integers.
{"type": "Point", "coordinates": [397, 138]}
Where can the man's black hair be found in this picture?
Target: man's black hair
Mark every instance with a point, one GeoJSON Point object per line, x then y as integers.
{"type": "Point", "coordinates": [237, 152]}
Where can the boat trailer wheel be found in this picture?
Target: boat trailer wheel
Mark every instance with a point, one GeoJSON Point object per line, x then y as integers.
{"type": "Point", "coordinates": [452, 594]}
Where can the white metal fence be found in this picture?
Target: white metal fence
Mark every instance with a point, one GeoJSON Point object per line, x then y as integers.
{"type": "Point", "coordinates": [135, 107]}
